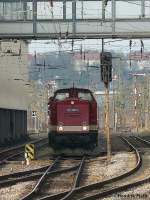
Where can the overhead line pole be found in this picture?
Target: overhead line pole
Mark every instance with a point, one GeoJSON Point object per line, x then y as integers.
{"type": "Point", "coordinates": [136, 103]}
{"type": "Point", "coordinates": [106, 85]}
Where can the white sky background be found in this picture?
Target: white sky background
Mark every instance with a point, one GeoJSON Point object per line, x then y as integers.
{"type": "Point", "coordinates": [128, 9]}
{"type": "Point", "coordinates": [91, 10]}
{"type": "Point", "coordinates": [117, 45]}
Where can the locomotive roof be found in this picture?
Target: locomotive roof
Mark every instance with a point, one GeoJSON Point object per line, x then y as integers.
{"type": "Point", "coordinates": [77, 89]}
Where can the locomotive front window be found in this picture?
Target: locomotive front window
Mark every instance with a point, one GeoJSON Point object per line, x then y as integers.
{"type": "Point", "coordinates": [85, 96]}
{"type": "Point", "coordinates": [62, 96]}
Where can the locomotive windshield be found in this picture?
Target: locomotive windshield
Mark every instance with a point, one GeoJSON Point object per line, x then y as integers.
{"type": "Point", "coordinates": [73, 93]}
{"type": "Point", "coordinates": [62, 96]}
{"type": "Point", "coordinates": [85, 96]}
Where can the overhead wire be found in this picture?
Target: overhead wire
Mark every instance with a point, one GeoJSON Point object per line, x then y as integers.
{"type": "Point", "coordinates": [60, 27]}
{"type": "Point", "coordinates": [137, 4]}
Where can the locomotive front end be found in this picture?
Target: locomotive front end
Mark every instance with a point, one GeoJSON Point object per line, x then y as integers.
{"type": "Point", "coordinates": [71, 126]}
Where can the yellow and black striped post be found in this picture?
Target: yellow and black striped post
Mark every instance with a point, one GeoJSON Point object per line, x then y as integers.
{"type": "Point", "coordinates": [30, 151]}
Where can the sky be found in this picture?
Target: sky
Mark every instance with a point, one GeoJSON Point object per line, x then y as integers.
{"type": "Point", "coordinates": [117, 45]}
{"type": "Point", "coordinates": [93, 9]}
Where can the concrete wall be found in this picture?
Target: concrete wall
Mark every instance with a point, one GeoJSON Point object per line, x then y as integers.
{"type": "Point", "coordinates": [13, 65]}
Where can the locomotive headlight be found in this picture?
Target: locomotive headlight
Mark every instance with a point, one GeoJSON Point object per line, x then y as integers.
{"type": "Point", "coordinates": [60, 128]}
{"type": "Point", "coordinates": [72, 102]}
{"type": "Point", "coordinates": [85, 128]}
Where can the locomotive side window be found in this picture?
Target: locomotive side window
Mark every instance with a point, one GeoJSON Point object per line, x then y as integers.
{"type": "Point", "coordinates": [62, 96]}
{"type": "Point", "coordinates": [85, 96]}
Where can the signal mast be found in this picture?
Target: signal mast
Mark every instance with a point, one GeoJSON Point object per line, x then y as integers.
{"type": "Point", "coordinates": [106, 77]}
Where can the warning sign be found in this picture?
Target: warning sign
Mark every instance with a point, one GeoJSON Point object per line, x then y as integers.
{"type": "Point", "coordinates": [30, 151]}
{"type": "Point", "coordinates": [34, 113]}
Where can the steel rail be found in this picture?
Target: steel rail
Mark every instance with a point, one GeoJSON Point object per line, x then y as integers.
{"type": "Point", "coordinates": [142, 140]}
{"type": "Point", "coordinates": [13, 178]}
{"type": "Point", "coordinates": [98, 185]}
{"type": "Point", "coordinates": [41, 181]}
{"type": "Point", "coordinates": [22, 173]}
{"type": "Point", "coordinates": [117, 189]}
{"type": "Point", "coordinates": [27, 172]}
{"type": "Point", "coordinates": [8, 182]}
{"type": "Point", "coordinates": [20, 146]}
{"type": "Point", "coordinates": [77, 180]}
{"type": "Point", "coordinates": [4, 160]}
{"type": "Point", "coordinates": [112, 190]}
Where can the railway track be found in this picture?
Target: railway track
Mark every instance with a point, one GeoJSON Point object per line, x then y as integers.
{"type": "Point", "coordinates": [52, 189]}
{"type": "Point", "coordinates": [21, 176]}
{"type": "Point", "coordinates": [84, 192]}
{"type": "Point", "coordinates": [11, 179]}
{"type": "Point", "coordinates": [137, 143]}
{"type": "Point", "coordinates": [14, 152]}
{"type": "Point", "coordinates": [144, 143]}
{"type": "Point", "coordinates": [43, 184]}
{"type": "Point", "coordinates": [142, 176]}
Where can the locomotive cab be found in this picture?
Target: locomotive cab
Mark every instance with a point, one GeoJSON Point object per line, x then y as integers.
{"type": "Point", "coordinates": [73, 118]}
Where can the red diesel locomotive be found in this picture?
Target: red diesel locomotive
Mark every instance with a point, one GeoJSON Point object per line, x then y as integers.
{"type": "Point", "coordinates": [73, 119]}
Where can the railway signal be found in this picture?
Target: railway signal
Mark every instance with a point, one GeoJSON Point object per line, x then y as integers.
{"type": "Point", "coordinates": [106, 67]}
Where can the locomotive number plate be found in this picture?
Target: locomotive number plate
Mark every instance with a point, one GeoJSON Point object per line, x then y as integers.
{"type": "Point", "coordinates": [72, 109]}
